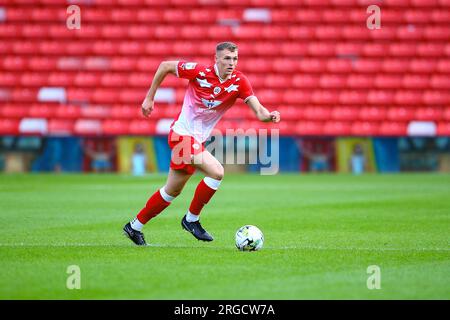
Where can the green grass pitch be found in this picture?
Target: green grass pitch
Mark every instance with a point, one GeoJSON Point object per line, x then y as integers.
{"type": "Point", "coordinates": [322, 232]}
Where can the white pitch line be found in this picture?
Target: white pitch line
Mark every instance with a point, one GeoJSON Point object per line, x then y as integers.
{"type": "Point", "coordinates": [68, 245]}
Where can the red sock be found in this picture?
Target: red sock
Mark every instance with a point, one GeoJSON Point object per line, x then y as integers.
{"type": "Point", "coordinates": [202, 195]}
{"type": "Point", "coordinates": [152, 208]}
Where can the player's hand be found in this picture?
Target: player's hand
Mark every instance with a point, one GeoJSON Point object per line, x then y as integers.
{"type": "Point", "coordinates": [147, 107]}
{"type": "Point", "coordinates": [275, 116]}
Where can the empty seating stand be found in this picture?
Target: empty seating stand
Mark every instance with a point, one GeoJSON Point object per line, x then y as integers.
{"type": "Point", "coordinates": [315, 61]}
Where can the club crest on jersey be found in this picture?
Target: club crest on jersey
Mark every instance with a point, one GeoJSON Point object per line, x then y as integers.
{"type": "Point", "coordinates": [210, 104]}
{"type": "Point", "coordinates": [188, 66]}
{"type": "Point", "coordinates": [217, 90]}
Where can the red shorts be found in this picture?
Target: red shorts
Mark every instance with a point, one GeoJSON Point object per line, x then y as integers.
{"type": "Point", "coordinates": [183, 148]}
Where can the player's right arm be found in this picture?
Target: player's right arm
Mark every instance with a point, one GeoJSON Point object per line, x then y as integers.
{"type": "Point", "coordinates": [164, 69]}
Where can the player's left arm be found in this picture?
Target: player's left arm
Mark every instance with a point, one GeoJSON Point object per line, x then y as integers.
{"type": "Point", "coordinates": [261, 112]}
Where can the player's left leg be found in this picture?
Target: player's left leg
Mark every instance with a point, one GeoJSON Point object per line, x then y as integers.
{"type": "Point", "coordinates": [205, 190]}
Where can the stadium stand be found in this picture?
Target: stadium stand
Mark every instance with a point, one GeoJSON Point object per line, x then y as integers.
{"type": "Point", "coordinates": [314, 60]}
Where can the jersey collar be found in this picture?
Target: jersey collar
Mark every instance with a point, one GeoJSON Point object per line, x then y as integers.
{"type": "Point", "coordinates": [216, 69]}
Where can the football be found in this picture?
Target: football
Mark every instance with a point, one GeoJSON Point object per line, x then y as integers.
{"type": "Point", "coordinates": [249, 238]}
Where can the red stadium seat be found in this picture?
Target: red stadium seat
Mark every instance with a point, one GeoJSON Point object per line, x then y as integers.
{"type": "Point", "coordinates": [408, 97]}
{"type": "Point", "coordinates": [9, 126]}
{"type": "Point", "coordinates": [60, 79]}
{"type": "Point", "coordinates": [203, 15]}
{"type": "Point", "coordinates": [345, 113]}
{"type": "Point", "coordinates": [115, 127]}
{"type": "Point", "coordinates": [431, 49]}
{"type": "Point", "coordinates": [400, 114]}
{"type": "Point", "coordinates": [95, 112]}
{"type": "Point", "coordinates": [327, 32]}
{"type": "Point", "coordinates": [388, 81]}
{"type": "Point", "coordinates": [333, 81]}
{"type": "Point", "coordinates": [87, 79]}
{"type": "Point", "coordinates": [360, 81]}
{"type": "Point", "coordinates": [325, 97]}
{"type": "Point", "coordinates": [125, 112]}
{"type": "Point", "coordinates": [364, 129]}
{"type": "Point", "coordinates": [150, 16]}
{"type": "Point", "coordinates": [88, 127]}
{"type": "Point", "coordinates": [352, 97]}
{"type": "Point", "coordinates": [443, 129]}
{"type": "Point", "coordinates": [274, 32]}
{"type": "Point", "coordinates": [372, 113]}
{"type": "Point", "coordinates": [446, 113]}
{"type": "Point", "coordinates": [278, 81]}
{"type": "Point", "coordinates": [308, 15]}
{"type": "Point", "coordinates": [42, 111]}
{"type": "Point", "coordinates": [436, 97]}
{"type": "Point", "coordinates": [348, 49]}
{"type": "Point", "coordinates": [321, 49]}
{"type": "Point", "coordinates": [437, 33]}
{"type": "Point", "coordinates": [393, 129]}
{"type": "Point", "coordinates": [367, 65]}
{"type": "Point", "coordinates": [301, 32]}
{"type": "Point", "coordinates": [317, 113]}
{"type": "Point", "coordinates": [337, 128]}
{"type": "Point", "coordinates": [306, 128]}
{"type": "Point", "coordinates": [415, 81]}
{"type": "Point", "coordinates": [10, 79]}
{"type": "Point", "coordinates": [60, 127]}
{"type": "Point", "coordinates": [68, 112]}
{"type": "Point", "coordinates": [123, 63]}
{"type": "Point", "coordinates": [395, 65]}
{"type": "Point", "coordinates": [282, 15]}
{"type": "Point", "coordinates": [142, 127]}
{"type": "Point", "coordinates": [272, 97]}
{"type": "Point", "coordinates": [123, 15]}
{"type": "Point", "coordinates": [297, 97]}
{"type": "Point", "coordinates": [409, 32]}
{"type": "Point", "coordinates": [429, 113]}
{"type": "Point", "coordinates": [293, 49]}
{"type": "Point", "coordinates": [305, 81]}
{"type": "Point", "coordinates": [402, 49]}
{"type": "Point", "coordinates": [439, 81]}
{"type": "Point", "coordinates": [380, 97]}
{"type": "Point", "coordinates": [14, 111]}
{"type": "Point", "coordinates": [375, 49]}
{"type": "Point", "coordinates": [312, 65]}
{"type": "Point", "coordinates": [423, 66]}
{"type": "Point", "coordinates": [413, 16]}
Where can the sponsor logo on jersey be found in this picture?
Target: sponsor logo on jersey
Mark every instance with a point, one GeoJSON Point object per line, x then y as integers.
{"type": "Point", "coordinates": [211, 103]}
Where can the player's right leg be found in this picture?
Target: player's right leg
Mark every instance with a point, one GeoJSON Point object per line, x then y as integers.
{"type": "Point", "coordinates": [160, 200]}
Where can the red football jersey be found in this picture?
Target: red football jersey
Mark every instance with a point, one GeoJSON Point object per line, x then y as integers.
{"type": "Point", "coordinates": [207, 98]}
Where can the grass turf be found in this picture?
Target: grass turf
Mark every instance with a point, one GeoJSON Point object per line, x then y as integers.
{"type": "Point", "coordinates": [321, 234]}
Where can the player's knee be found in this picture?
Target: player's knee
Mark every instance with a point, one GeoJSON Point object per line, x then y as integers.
{"type": "Point", "coordinates": [218, 173]}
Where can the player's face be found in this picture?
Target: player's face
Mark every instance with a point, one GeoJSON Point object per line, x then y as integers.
{"type": "Point", "coordinates": [226, 62]}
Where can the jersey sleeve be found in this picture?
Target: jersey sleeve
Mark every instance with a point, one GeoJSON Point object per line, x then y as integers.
{"type": "Point", "coordinates": [245, 89]}
{"type": "Point", "coordinates": [188, 70]}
